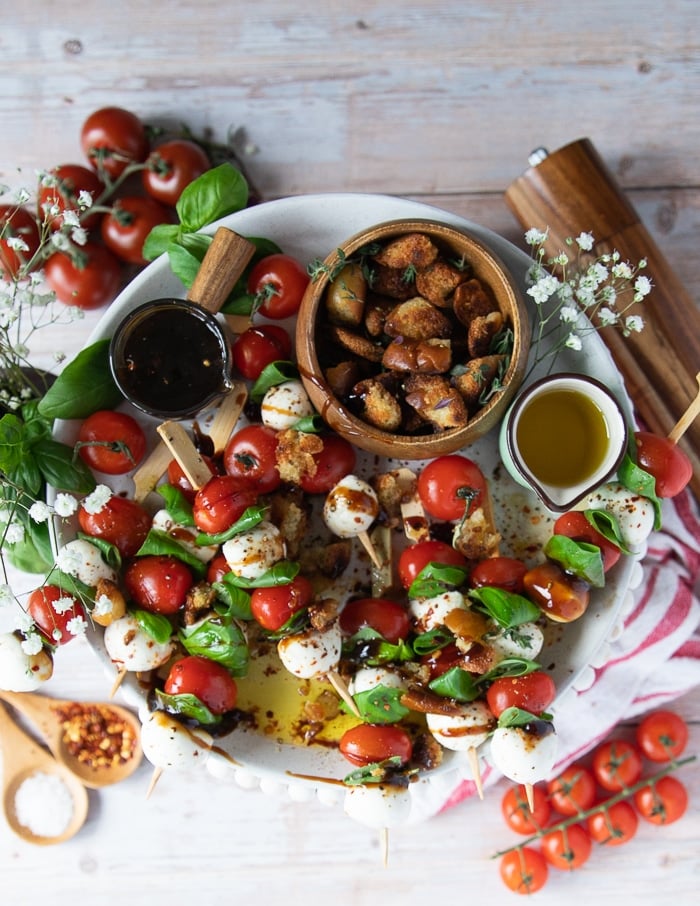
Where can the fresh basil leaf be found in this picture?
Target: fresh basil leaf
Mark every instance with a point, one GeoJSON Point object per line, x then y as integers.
{"type": "Point", "coordinates": [578, 557]}
{"type": "Point", "coordinates": [455, 683]}
{"type": "Point", "coordinates": [635, 479]}
{"type": "Point", "coordinates": [69, 584]}
{"type": "Point", "coordinates": [156, 625]}
{"type": "Point", "coordinates": [178, 506]}
{"type": "Point", "coordinates": [189, 706]}
{"type": "Point", "coordinates": [434, 640]}
{"type": "Point", "coordinates": [183, 264]}
{"type": "Point", "coordinates": [33, 553]}
{"type": "Point", "coordinates": [376, 772]}
{"type": "Point", "coordinates": [240, 304]}
{"type": "Point", "coordinates": [436, 578]}
{"type": "Point", "coordinates": [61, 468]}
{"type": "Point", "coordinates": [252, 516]}
{"type": "Point", "coordinates": [516, 717]}
{"type": "Point", "coordinates": [367, 646]}
{"type": "Point", "coordinates": [216, 193]}
{"type": "Point", "coordinates": [159, 240]}
{"type": "Point", "coordinates": [27, 476]}
{"type": "Point", "coordinates": [280, 574]}
{"type": "Point", "coordinates": [218, 641]}
{"type": "Point", "coordinates": [158, 543]}
{"type": "Point", "coordinates": [506, 608]}
{"type": "Point", "coordinates": [509, 666]}
{"type": "Point", "coordinates": [381, 705]}
{"type": "Point", "coordinates": [109, 552]}
{"type": "Point", "coordinates": [310, 424]}
{"type": "Point", "coordinates": [84, 386]}
{"type": "Point", "coordinates": [298, 622]}
{"type": "Point", "coordinates": [234, 603]}
{"type": "Point", "coordinates": [271, 376]}
{"type": "Point", "coordinates": [607, 525]}
{"type": "Point", "coordinates": [12, 443]}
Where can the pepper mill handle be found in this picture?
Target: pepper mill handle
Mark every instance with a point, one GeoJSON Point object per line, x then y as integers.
{"type": "Point", "coordinates": [571, 191]}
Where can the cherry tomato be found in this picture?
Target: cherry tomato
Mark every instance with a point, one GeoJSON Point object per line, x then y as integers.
{"type": "Point", "coordinates": [171, 167]}
{"type": "Point", "coordinates": [115, 442]}
{"type": "Point", "coordinates": [568, 848]}
{"type": "Point", "coordinates": [614, 826]}
{"type": "Point", "coordinates": [662, 802]}
{"type": "Point", "coordinates": [662, 735]}
{"type": "Point", "coordinates": [517, 813]}
{"type": "Point", "coordinates": [415, 558]}
{"type": "Point", "coordinates": [524, 870]}
{"type": "Point", "coordinates": [280, 281]}
{"type": "Point", "coordinates": [70, 181]}
{"type": "Point", "coordinates": [250, 454]}
{"type": "Point", "coordinates": [258, 347]}
{"type": "Point", "coordinates": [385, 616]}
{"type": "Point", "coordinates": [616, 764]}
{"type": "Point", "coordinates": [16, 224]}
{"type": "Point", "coordinates": [52, 609]}
{"type": "Point", "coordinates": [664, 460]}
{"type": "Point", "coordinates": [158, 583]}
{"type": "Point", "coordinates": [499, 572]}
{"type": "Point", "coordinates": [442, 660]}
{"type": "Point", "coordinates": [178, 479]}
{"type": "Point", "coordinates": [125, 228]}
{"type": "Point", "coordinates": [208, 681]}
{"type": "Point", "coordinates": [369, 743]}
{"type": "Point", "coordinates": [91, 285]}
{"type": "Point", "coordinates": [112, 138]}
{"type": "Point", "coordinates": [451, 485]}
{"type": "Point", "coordinates": [221, 502]}
{"type": "Point", "coordinates": [121, 521]}
{"type": "Point", "coordinates": [273, 607]}
{"type": "Point", "coordinates": [560, 595]}
{"type": "Point", "coordinates": [336, 460]}
{"type": "Point", "coordinates": [575, 525]}
{"type": "Point", "coordinates": [533, 692]}
{"type": "Point", "coordinates": [573, 791]}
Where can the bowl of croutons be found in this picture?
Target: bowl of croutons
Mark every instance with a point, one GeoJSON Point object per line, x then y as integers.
{"type": "Point", "coordinates": [412, 339]}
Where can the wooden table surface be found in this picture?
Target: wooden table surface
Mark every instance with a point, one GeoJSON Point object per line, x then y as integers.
{"type": "Point", "coordinates": [440, 102]}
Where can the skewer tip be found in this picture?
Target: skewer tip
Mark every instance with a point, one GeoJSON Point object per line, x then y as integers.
{"type": "Point", "coordinates": [155, 777]}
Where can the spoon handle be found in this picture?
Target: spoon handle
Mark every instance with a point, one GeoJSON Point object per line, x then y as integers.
{"type": "Point", "coordinates": [39, 709]}
{"type": "Point", "coordinates": [19, 749]}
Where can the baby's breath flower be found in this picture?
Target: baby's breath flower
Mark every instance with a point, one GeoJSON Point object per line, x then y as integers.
{"type": "Point", "coordinates": [642, 287]}
{"type": "Point", "coordinates": [622, 271]}
{"type": "Point", "coordinates": [633, 324]}
{"type": "Point", "coordinates": [57, 635]}
{"type": "Point", "coordinates": [76, 626]}
{"type": "Point", "coordinates": [585, 241]}
{"type": "Point", "coordinates": [23, 622]}
{"type": "Point", "coordinates": [68, 561]}
{"type": "Point", "coordinates": [103, 606]}
{"type": "Point", "coordinates": [17, 244]}
{"type": "Point", "coordinates": [39, 511]}
{"type": "Point", "coordinates": [32, 643]}
{"type": "Point", "coordinates": [60, 241]}
{"type": "Point", "coordinates": [79, 235]}
{"type": "Point", "coordinates": [569, 314]}
{"type": "Point", "coordinates": [535, 236]}
{"type": "Point", "coordinates": [607, 317]}
{"type": "Point", "coordinates": [70, 218]}
{"type": "Point", "coordinates": [573, 341]}
{"type": "Point", "coordinates": [65, 505]}
{"type": "Point", "coordinates": [543, 289]}
{"type": "Point", "coordinates": [7, 598]}
{"type": "Point", "coordinates": [63, 604]}
{"type": "Point", "coordinates": [95, 501]}
{"type": "Point", "coordinates": [84, 199]}
{"type": "Point", "coordinates": [14, 533]}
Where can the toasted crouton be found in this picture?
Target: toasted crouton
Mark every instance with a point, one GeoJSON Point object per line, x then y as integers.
{"type": "Point", "coordinates": [391, 282]}
{"type": "Point", "coordinates": [475, 538]}
{"type": "Point", "coordinates": [436, 401]}
{"type": "Point", "coordinates": [289, 511]}
{"type": "Point", "coordinates": [343, 377]}
{"type": "Point", "coordinates": [477, 378]}
{"type": "Point", "coordinates": [356, 344]}
{"type": "Point", "coordinates": [417, 319]}
{"type": "Point", "coordinates": [345, 296]}
{"type": "Point", "coordinates": [379, 405]}
{"type": "Point", "coordinates": [470, 300]}
{"type": "Point", "coordinates": [424, 356]}
{"type": "Point", "coordinates": [437, 282]}
{"type": "Point", "coordinates": [376, 310]}
{"type": "Point", "coordinates": [481, 331]}
{"type": "Point", "coordinates": [295, 454]}
{"type": "Point", "coordinates": [412, 250]}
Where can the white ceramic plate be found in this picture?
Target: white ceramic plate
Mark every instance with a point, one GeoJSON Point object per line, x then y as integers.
{"type": "Point", "coordinates": [310, 227]}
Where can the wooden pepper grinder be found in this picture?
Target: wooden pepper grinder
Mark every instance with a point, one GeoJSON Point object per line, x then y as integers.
{"type": "Point", "coordinates": [571, 191]}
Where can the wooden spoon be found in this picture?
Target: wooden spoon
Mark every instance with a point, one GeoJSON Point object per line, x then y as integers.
{"type": "Point", "coordinates": [44, 712]}
{"type": "Point", "coordinates": [22, 758]}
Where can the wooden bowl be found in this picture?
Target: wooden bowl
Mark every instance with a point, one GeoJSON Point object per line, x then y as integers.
{"type": "Point", "coordinates": [312, 345]}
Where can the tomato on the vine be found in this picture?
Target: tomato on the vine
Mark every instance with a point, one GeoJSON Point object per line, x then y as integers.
{"type": "Point", "coordinates": [17, 226]}
{"type": "Point", "coordinates": [92, 280]}
{"type": "Point", "coordinates": [257, 347]}
{"type": "Point", "coordinates": [207, 680]}
{"type": "Point", "coordinates": [662, 735]}
{"type": "Point", "coordinates": [616, 764]}
{"type": "Point", "coordinates": [125, 228]}
{"type": "Point", "coordinates": [533, 692]}
{"type": "Point", "coordinates": [221, 502]}
{"type": "Point", "coordinates": [663, 801]}
{"type": "Point", "coordinates": [451, 485]}
{"type": "Point", "coordinates": [572, 791]}
{"type": "Point", "coordinates": [369, 743]}
{"type": "Point", "coordinates": [158, 583]}
{"type": "Point", "coordinates": [334, 461]}
{"type": "Point", "coordinates": [614, 825]}
{"type": "Point", "coordinates": [567, 848]}
{"type": "Point", "coordinates": [517, 812]}
{"type": "Point", "coordinates": [415, 558]}
{"type": "Point", "coordinates": [60, 192]}
{"type": "Point", "coordinates": [499, 572]}
{"type": "Point", "coordinates": [112, 138]}
{"type": "Point", "coordinates": [575, 525]}
{"type": "Point", "coordinates": [111, 442]}
{"type": "Point", "coordinates": [171, 167]}
{"type": "Point", "coordinates": [121, 521]}
{"type": "Point", "coordinates": [274, 606]}
{"type": "Point", "coordinates": [524, 870]}
{"type": "Point", "coordinates": [280, 282]}
{"type": "Point", "coordinates": [52, 609]}
{"type": "Point", "coordinates": [660, 457]}
{"type": "Point", "coordinates": [250, 454]}
{"type": "Point", "coordinates": [385, 616]}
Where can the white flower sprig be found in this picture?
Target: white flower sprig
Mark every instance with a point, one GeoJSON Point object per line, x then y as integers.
{"type": "Point", "coordinates": [578, 295]}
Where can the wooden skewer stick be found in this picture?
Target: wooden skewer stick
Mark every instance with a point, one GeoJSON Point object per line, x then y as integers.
{"type": "Point", "coordinates": [182, 448]}
{"type": "Point", "coordinates": [475, 767]}
{"type": "Point", "coordinates": [369, 547]}
{"type": "Point", "coordinates": [147, 476]}
{"type": "Point", "coordinates": [340, 686]}
{"type": "Point", "coordinates": [382, 576]}
{"type": "Point", "coordinates": [119, 679]}
{"type": "Point", "coordinates": [384, 845]}
{"type": "Point", "coordinates": [155, 777]}
{"type": "Point", "coordinates": [226, 416]}
{"type": "Point", "coordinates": [688, 417]}
{"type": "Point", "coordinates": [530, 796]}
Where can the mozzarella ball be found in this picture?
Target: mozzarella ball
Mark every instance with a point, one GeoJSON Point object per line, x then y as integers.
{"type": "Point", "coordinates": [252, 553]}
{"type": "Point", "coordinates": [429, 613]}
{"type": "Point", "coordinates": [524, 755]}
{"type": "Point", "coordinates": [284, 404]}
{"type": "Point", "coordinates": [184, 535]}
{"type": "Point", "coordinates": [367, 678]}
{"type": "Point", "coordinates": [466, 730]}
{"type": "Point", "coordinates": [525, 640]}
{"type": "Point", "coordinates": [378, 805]}
{"type": "Point", "coordinates": [130, 648]}
{"type": "Point", "coordinates": [634, 513]}
{"type": "Point", "coordinates": [83, 560]}
{"type": "Point", "coordinates": [166, 743]}
{"type": "Point", "coordinates": [19, 671]}
{"type": "Point", "coordinates": [312, 652]}
{"type": "Point", "coordinates": [351, 507]}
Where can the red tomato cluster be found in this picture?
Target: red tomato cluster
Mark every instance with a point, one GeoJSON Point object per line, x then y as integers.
{"type": "Point", "coordinates": [608, 795]}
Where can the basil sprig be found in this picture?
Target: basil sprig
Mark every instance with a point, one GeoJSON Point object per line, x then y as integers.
{"type": "Point", "coordinates": [188, 706]}
{"type": "Point", "coordinates": [506, 608]}
{"type": "Point", "coordinates": [177, 505]}
{"type": "Point", "coordinates": [463, 686]}
{"type": "Point", "coordinates": [273, 375]}
{"type": "Point", "coordinates": [281, 573]}
{"type": "Point", "coordinates": [635, 479]}
{"type": "Point", "coordinates": [219, 640]}
{"type": "Point", "coordinates": [517, 717]}
{"type": "Point", "coordinates": [84, 386]}
{"type": "Point", "coordinates": [381, 705]}
{"type": "Point", "coordinates": [159, 543]}
{"type": "Point", "coordinates": [252, 516]}
{"type": "Point", "coordinates": [607, 526]}
{"type": "Point", "coordinates": [376, 772]}
{"type": "Point", "coordinates": [581, 558]}
{"type": "Point", "coordinates": [156, 625]}
{"type": "Point", "coordinates": [436, 578]}
{"type": "Point", "coordinates": [367, 646]}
